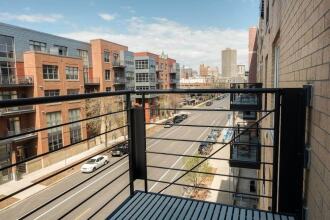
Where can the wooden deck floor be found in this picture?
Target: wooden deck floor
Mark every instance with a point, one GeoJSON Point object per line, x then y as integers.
{"type": "Point", "coordinates": [157, 206]}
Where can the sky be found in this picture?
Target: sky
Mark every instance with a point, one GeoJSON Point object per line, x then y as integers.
{"type": "Point", "coordinates": [191, 31]}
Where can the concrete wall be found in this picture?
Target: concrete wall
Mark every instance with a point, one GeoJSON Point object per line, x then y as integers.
{"type": "Point", "coordinates": [301, 29]}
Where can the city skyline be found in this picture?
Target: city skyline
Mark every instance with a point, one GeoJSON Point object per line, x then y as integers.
{"type": "Point", "coordinates": [153, 30]}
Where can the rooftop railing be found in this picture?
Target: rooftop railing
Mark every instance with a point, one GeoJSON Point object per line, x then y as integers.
{"type": "Point", "coordinates": [161, 162]}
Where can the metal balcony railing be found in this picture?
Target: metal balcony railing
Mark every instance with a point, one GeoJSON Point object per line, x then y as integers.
{"type": "Point", "coordinates": [17, 110]}
{"type": "Point", "coordinates": [120, 80]}
{"type": "Point", "coordinates": [117, 64]}
{"type": "Point", "coordinates": [92, 81]}
{"type": "Point", "coordinates": [14, 80]}
{"type": "Point", "coordinates": [154, 178]}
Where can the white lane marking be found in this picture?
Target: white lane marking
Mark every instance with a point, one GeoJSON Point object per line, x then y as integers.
{"type": "Point", "coordinates": [70, 197]}
{"type": "Point", "coordinates": [83, 213]}
{"type": "Point", "coordinates": [165, 174]}
{"type": "Point", "coordinates": [176, 174]}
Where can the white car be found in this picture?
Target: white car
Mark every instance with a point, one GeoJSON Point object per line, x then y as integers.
{"type": "Point", "coordinates": [94, 163]}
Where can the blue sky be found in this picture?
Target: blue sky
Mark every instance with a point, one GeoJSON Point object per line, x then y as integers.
{"type": "Point", "coordinates": [191, 31]}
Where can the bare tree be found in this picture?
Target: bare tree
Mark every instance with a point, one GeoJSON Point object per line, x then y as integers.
{"type": "Point", "coordinates": [104, 124]}
{"type": "Point", "coordinates": [193, 178]}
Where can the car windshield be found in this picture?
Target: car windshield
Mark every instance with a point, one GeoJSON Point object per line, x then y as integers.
{"type": "Point", "coordinates": [91, 161]}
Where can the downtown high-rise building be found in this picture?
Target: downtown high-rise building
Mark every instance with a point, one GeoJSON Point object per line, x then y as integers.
{"type": "Point", "coordinates": [229, 62]}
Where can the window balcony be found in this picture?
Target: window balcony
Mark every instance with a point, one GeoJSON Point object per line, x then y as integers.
{"type": "Point", "coordinates": [92, 81]}
{"type": "Point", "coordinates": [245, 101]}
{"type": "Point", "coordinates": [156, 179]}
{"type": "Point", "coordinates": [16, 81]}
{"type": "Point", "coordinates": [11, 111]}
{"type": "Point", "coordinates": [20, 135]}
{"type": "Point", "coordinates": [120, 80]}
{"type": "Point", "coordinates": [116, 63]}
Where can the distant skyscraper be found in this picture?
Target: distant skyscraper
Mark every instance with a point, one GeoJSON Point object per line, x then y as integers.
{"type": "Point", "coordinates": [229, 62]}
{"type": "Point", "coordinates": [203, 70]}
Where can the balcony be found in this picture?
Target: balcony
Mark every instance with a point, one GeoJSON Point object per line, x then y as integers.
{"type": "Point", "coordinates": [245, 101]}
{"type": "Point", "coordinates": [21, 135]}
{"type": "Point", "coordinates": [174, 81]}
{"type": "Point", "coordinates": [156, 178]}
{"type": "Point", "coordinates": [116, 63]}
{"type": "Point", "coordinates": [245, 150]}
{"type": "Point", "coordinates": [120, 80]}
{"type": "Point", "coordinates": [10, 111]}
{"type": "Point", "coordinates": [16, 81]}
{"type": "Point", "coordinates": [92, 81]}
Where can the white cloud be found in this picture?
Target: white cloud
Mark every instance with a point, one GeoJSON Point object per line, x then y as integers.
{"type": "Point", "coordinates": [32, 18]}
{"type": "Point", "coordinates": [189, 46]}
{"type": "Point", "coordinates": [107, 17]}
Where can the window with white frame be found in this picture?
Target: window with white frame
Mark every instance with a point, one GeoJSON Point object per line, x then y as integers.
{"type": "Point", "coordinates": [52, 92]}
{"type": "Point", "coordinates": [37, 46]}
{"type": "Point", "coordinates": [71, 73]}
{"type": "Point", "coordinates": [55, 140]}
{"type": "Point", "coordinates": [50, 71]}
{"type": "Point", "coordinates": [75, 128]}
{"type": "Point", "coordinates": [107, 74]}
{"type": "Point", "coordinates": [106, 56]}
{"type": "Point", "coordinates": [141, 64]}
{"type": "Point", "coordinates": [142, 77]}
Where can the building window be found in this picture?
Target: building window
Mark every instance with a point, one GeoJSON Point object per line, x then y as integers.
{"type": "Point", "coordinates": [6, 46]}
{"type": "Point", "coordinates": [84, 55]}
{"type": "Point", "coordinates": [73, 91]}
{"type": "Point", "coordinates": [106, 56]}
{"type": "Point", "coordinates": [75, 128]}
{"type": "Point", "coordinates": [142, 77]}
{"type": "Point", "coordinates": [50, 71]}
{"type": "Point", "coordinates": [37, 46]}
{"type": "Point", "coordinates": [276, 66]}
{"type": "Point", "coordinates": [141, 64]}
{"type": "Point", "coordinates": [142, 88]}
{"type": "Point", "coordinates": [55, 140]}
{"type": "Point", "coordinates": [107, 74]}
{"type": "Point", "coordinates": [71, 73]}
{"type": "Point", "coordinates": [108, 89]}
{"type": "Point", "coordinates": [52, 92]}
{"type": "Point", "coordinates": [62, 50]}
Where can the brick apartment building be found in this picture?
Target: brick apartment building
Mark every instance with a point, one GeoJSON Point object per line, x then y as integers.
{"type": "Point", "coordinates": [35, 64]}
{"type": "Point", "coordinates": [293, 50]}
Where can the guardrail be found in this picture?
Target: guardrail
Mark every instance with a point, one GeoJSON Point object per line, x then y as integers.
{"type": "Point", "coordinates": [135, 122]}
{"type": "Point", "coordinates": [26, 80]}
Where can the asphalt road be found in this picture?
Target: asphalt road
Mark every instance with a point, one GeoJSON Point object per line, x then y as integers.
{"type": "Point", "coordinates": [100, 186]}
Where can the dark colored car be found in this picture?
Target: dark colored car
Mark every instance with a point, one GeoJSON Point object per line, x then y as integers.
{"type": "Point", "coordinates": [120, 150]}
{"type": "Point", "coordinates": [177, 119]}
{"type": "Point", "coordinates": [184, 116]}
{"type": "Point", "coordinates": [205, 148]}
{"type": "Point", "coordinates": [209, 103]}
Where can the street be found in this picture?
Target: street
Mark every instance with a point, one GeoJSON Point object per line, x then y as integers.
{"type": "Point", "coordinates": [76, 204]}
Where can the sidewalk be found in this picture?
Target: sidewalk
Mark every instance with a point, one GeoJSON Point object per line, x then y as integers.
{"type": "Point", "coordinates": [28, 179]}
{"type": "Point", "coordinates": [222, 167]}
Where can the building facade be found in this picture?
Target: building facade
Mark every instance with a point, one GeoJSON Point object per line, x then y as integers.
{"type": "Point", "coordinates": [252, 54]}
{"type": "Point", "coordinates": [294, 50]}
{"type": "Point", "coordinates": [229, 62]}
{"type": "Point", "coordinates": [35, 64]}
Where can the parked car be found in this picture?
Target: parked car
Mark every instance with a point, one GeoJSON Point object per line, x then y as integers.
{"type": "Point", "coordinates": [184, 116]}
{"type": "Point", "coordinates": [177, 119]}
{"type": "Point", "coordinates": [209, 103]}
{"type": "Point", "coordinates": [94, 163]}
{"type": "Point", "coordinates": [120, 150]}
{"type": "Point", "coordinates": [216, 132]}
{"type": "Point", "coordinates": [205, 148]}
{"type": "Point", "coordinates": [211, 138]}
{"type": "Point", "coordinates": [168, 124]}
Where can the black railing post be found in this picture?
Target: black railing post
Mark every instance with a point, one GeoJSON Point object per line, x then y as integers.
{"type": "Point", "coordinates": [145, 142]}
{"type": "Point", "coordinates": [275, 150]}
{"type": "Point", "coordinates": [291, 151]}
{"type": "Point", "coordinates": [129, 139]}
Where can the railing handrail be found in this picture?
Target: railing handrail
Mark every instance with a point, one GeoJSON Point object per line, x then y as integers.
{"type": "Point", "coordinates": [46, 100]}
